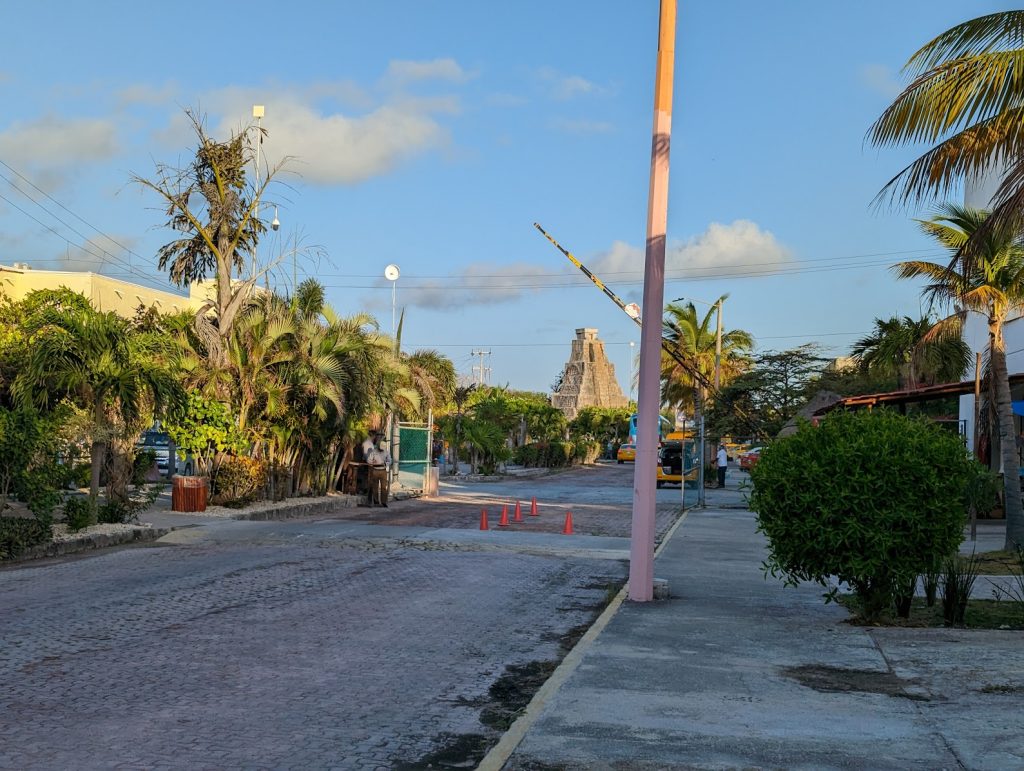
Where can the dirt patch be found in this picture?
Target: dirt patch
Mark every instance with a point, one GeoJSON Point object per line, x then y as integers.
{"type": "Point", "coordinates": [511, 692]}
{"type": "Point", "coordinates": [1002, 688]}
{"type": "Point", "coordinates": [454, 751]}
{"type": "Point", "coordinates": [841, 680]}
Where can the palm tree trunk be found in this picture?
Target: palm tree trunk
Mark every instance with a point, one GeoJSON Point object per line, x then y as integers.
{"type": "Point", "coordinates": [97, 451]}
{"type": "Point", "coordinates": [1007, 438]}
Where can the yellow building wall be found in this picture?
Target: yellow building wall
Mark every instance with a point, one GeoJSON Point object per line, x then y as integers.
{"type": "Point", "coordinates": [106, 294]}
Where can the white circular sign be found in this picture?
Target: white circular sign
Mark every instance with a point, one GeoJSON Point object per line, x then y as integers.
{"type": "Point", "coordinates": [632, 310]}
{"type": "Point", "coordinates": [391, 272]}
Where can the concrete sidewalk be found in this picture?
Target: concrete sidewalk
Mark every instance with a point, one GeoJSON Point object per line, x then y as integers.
{"type": "Point", "coordinates": [736, 671]}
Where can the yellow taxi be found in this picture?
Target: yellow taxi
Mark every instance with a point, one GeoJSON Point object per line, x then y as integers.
{"type": "Point", "coordinates": [627, 452]}
{"type": "Point", "coordinates": [673, 458]}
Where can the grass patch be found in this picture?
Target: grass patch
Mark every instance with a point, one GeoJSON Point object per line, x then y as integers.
{"type": "Point", "coordinates": [998, 563]}
{"type": "Point", "coordinates": [981, 614]}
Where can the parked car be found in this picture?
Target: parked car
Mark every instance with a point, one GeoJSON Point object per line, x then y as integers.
{"type": "Point", "coordinates": [676, 463]}
{"type": "Point", "coordinates": [749, 459]}
{"type": "Point", "coordinates": [160, 444]}
{"type": "Point", "coordinates": [627, 452]}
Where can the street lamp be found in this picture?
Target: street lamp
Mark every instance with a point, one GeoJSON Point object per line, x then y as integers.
{"type": "Point", "coordinates": [391, 273]}
{"type": "Point", "coordinates": [257, 113]}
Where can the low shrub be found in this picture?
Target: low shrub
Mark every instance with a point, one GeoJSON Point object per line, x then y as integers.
{"type": "Point", "coordinates": [238, 481]}
{"type": "Point", "coordinates": [958, 577]}
{"type": "Point", "coordinates": [873, 499]}
{"type": "Point", "coordinates": [79, 513]}
{"type": "Point", "coordinates": [116, 511]}
{"type": "Point", "coordinates": [143, 462]}
{"type": "Point", "coordinates": [20, 533]}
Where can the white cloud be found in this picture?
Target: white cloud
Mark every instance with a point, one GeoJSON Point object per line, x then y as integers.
{"type": "Point", "coordinates": [52, 141]}
{"type": "Point", "coordinates": [880, 79]}
{"type": "Point", "coordinates": [582, 127]}
{"type": "Point", "coordinates": [405, 71]}
{"type": "Point", "coordinates": [500, 99]}
{"type": "Point", "coordinates": [564, 87]}
{"type": "Point", "coordinates": [478, 284]}
{"type": "Point", "coordinates": [742, 243]}
{"type": "Point", "coordinates": [740, 247]}
{"type": "Point", "coordinates": [330, 146]}
{"type": "Point", "coordinates": [720, 249]}
{"type": "Point", "coordinates": [145, 94]}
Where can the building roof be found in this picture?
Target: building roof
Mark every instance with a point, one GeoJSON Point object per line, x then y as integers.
{"type": "Point", "coordinates": [909, 396]}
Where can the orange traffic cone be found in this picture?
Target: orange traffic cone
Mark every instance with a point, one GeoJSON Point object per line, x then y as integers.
{"type": "Point", "coordinates": [503, 522]}
{"type": "Point", "coordinates": [533, 507]}
{"type": "Point", "coordinates": [519, 513]}
{"type": "Point", "coordinates": [483, 520]}
{"type": "Point", "coordinates": [567, 530]}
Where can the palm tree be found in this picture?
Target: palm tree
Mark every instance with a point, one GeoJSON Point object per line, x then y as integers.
{"type": "Point", "coordinates": [966, 99]}
{"type": "Point", "coordinates": [694, 339]}
{"type": "Point", "coordinates": [992, 284]}
{"type": "Point", "coordinates": [898, 348]}
{"type": "Point", "coordinates": [214, 206]}
{"type": "Point", "coordinates": [99, 362]}
{"type": "Point", "coordinates": [432, 376]}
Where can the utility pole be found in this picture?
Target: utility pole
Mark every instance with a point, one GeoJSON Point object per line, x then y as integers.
{"type": "Point", "coordinates": [257, 113]}
{"type": "Point", "coordinates": [641, 549]}
{"type": "Point", "coordinates": [718, 348]}
{"type": "Point", "coordinates": [482, 370]}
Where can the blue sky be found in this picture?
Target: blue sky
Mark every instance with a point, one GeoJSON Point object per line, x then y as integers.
{"type": "Point", "coordinates": [432, 136]}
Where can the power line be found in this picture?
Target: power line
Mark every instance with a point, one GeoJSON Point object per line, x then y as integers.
{"type": "Point", "coordinates": [62, 236]}
{"type": "Point", "coordinates": [868, 255]}
{"type": "Point", "coordinates": [789, 271]}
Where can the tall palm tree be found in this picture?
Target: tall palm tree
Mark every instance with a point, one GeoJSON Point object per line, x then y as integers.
{"type": "Point", "coordinates": [967, 100]}
{"type": "Point", "coordinates": [992, 284]}
{"type": "Point", "coordinates": [899, 347]}
{"type": "Point", "coordinates": [694, 338]}
{"type": "Point", "coordinates": [99, 362]}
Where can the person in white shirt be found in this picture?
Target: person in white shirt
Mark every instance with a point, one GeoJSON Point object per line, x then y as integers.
{"type": "Point", "coordinates": [379, 461]}
{"type": "Point", "coordinates": [722, 463]}
{"type": "Point", "coordinates": [369, 442]}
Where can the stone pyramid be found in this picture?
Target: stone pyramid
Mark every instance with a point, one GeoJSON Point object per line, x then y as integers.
{"type": "Point", "coordinates": [588, 379]}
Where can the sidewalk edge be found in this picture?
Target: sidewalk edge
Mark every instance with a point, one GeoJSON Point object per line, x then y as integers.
{"type": "Point", "coordinates": [510, 740]}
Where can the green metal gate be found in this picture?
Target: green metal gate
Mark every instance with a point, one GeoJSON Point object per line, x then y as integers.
{"type": "Point", "coordinates": [413, 454]}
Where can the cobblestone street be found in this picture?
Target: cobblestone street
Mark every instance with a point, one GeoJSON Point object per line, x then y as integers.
{"type": "Point", "coordinates": [297, 651]}
{"type": "Point", "coordinates": [600, 498]}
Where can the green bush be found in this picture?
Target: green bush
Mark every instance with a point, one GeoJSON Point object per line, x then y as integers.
{"type": "Point", "coordinates": [20, 533]}
{"type": "Point", "coordinates": [144, 460]}
{"type": "Point", "coordinates": [121, 511]}
{"type": "Point", "coordinates": [873, 499]}
{"type": "Point", "coordinates": [238, 481]}
{"type": "Point", "coordinates": [79, 513]}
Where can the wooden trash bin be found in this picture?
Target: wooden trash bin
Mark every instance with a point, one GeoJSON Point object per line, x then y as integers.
{"type": "Point", "coordinates": [188, 493]}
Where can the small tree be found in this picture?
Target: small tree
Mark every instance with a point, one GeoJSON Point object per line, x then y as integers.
{"type": "Point", "coordinates": [204, 429]}
{"type": "Point", "coordinates": [871, 498]}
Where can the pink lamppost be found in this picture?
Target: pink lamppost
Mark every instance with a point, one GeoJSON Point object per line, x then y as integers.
{"type": "Point", "coordinates": [641, 550]}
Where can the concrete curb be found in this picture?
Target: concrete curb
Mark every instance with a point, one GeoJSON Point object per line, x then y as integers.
{"type": "Point", "coordinates": [302, 509]}
{"type": "Point", "coordinates": [88, 543]}
{"type": "Point", "coordinates": [496, 759]}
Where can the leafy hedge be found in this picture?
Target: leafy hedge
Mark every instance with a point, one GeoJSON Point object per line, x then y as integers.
{"type": "Point", "coordinates": [871, 498]}
{"type": "Point", "coordinates": [556, 454]}
{"type": "Point", "coordinates": [20, 533]}
{"type": "Point", "coordinates": [238, 481]}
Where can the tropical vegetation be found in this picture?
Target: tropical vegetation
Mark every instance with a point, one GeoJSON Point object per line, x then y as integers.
{"type": "Point", "coordinates": [991, 283]}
